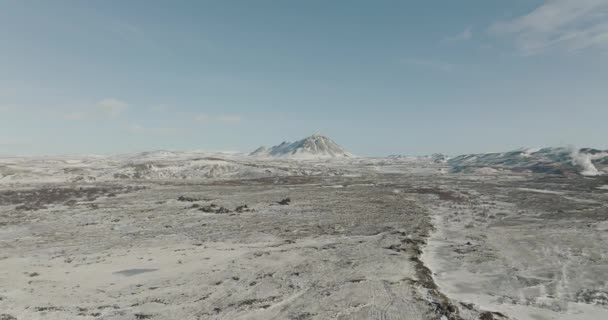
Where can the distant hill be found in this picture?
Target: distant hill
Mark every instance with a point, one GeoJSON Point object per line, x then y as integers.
{"type": "Point", "coordinates": [315, 146]}
{"type": "Point", "coordinates": [583, 161]}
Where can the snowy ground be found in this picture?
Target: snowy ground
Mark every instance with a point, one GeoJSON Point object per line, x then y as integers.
{"type": "Point", "coordinates": [137, 237]}
{"type": "Point", "coordinates": [527, 252]}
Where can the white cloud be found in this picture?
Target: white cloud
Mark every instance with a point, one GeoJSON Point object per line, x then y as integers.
{"type": "Point", "coordinates": [104, 108]}
{"type": "Point", "coordinates": [465, 35]}
{"type": "Point", "coordinates": [220, 118]}
{"type": "Point", "coordinates": [112, 107]}
{"type": "Point", "coordinates": [428, 64]}
{"type": "Point", "coordinates": [564, 25]}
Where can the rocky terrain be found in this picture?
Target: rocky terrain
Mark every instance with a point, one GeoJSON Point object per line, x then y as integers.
{"type": "Point", "coordinates": [178, 235]}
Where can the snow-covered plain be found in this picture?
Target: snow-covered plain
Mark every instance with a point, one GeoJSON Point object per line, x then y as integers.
{"type": "Point", "coordinates": [193, 235]}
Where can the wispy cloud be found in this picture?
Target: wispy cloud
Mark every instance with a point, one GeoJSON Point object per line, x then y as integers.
{"type": "Point", "coordinates": [564, 25]}
{"type": "Point", "coordinates": [428, 64]}
{"type": "Point", "coordinates": [112, 107]}
{"type": "Point", "coordinates": [465, 35]}
{"type": "Point", "coordinates": [108, 107]}
{"type": "Point", "coordinates": [220, 118]}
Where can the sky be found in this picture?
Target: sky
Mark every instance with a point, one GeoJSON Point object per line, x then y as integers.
{"type": "Point", "coordinates": [378, 77]}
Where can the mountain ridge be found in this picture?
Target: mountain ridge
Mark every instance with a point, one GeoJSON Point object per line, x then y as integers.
{"type": "Point", "coordinates": [583, 161]}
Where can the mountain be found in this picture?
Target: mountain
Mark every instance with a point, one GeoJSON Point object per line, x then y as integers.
{"type": "Point", "coordinates": [585, 161]}
{"type": "Point", "coordinates": [261, 151]}
{"type": "Point", "coordinates": [315, 146]}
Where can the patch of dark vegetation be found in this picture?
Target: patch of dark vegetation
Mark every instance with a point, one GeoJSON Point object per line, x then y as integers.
{"type": "Point", "coordinates": [263, 303]}
{"type": "Point", "coordinates": [37, 199]}
{"type": "Point", "coordinates": [248, 302]}
{"type": "Point", "coordinates": [468, 306]}
{"type": "Point", "coordinates": [140, 316]}
{"type": "Point", "coordinates": [157, 300]}
{"type": "Point", "coordinates": [6, 316]}
{"type": "Point", "coordinates": [395, 247]}
{"type": "Point", "coordinates": [45, 309]}
{"type": "Point", "coordinates": [115, 307]}
{"type": "Point", "coordinates": [266, 275]}
{"type": "Point", "coordinates": [213, 208]}
{"type": "Point", "coordinates": [487, 315]}
{"type": "Point", "coordinates": [187, 199]}
{"type": "Point", "coordinates": [445, 195]}
{"type": "Point", "coordinates": [243, 208]}
{"type": "Point", "coordinates": [592, 297]}
{"type": "Point", "coordinates": [285, 202]}
{"type": "Point", "coordinates": [443, 307]}
{"type": "Point", "coordinates": [30, 207]}
{"type": "Point", "coordinates": [301, 316]}
{"type": "Point", "coordinates": [203, 298]}
{"type": "Point", "coordinates": [414, 244]}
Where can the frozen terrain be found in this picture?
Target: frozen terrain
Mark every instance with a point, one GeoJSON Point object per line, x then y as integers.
{"type": "Point", "coordinates": [189, 235]}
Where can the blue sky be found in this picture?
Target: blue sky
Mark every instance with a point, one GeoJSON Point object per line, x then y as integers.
{"type": "Point", "coordinates": [379, 77]}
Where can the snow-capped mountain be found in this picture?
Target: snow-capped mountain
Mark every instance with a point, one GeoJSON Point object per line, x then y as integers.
{"type": "Point", "coordinates": [584, 161]}
{"type": "Point", "coordinates": [315, 146]}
